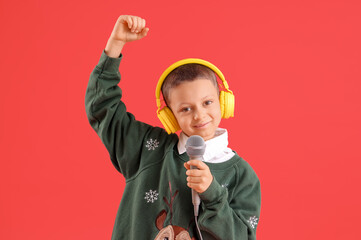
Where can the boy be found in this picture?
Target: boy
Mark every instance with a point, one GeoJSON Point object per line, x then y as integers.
{"type": "Point", "coordinates": [156, 202]}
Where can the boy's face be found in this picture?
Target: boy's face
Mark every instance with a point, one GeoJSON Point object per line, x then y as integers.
{"type": "Point", "coordinates": [196, 107]}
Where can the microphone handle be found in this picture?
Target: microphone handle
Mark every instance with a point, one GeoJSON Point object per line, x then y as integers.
{"type": "Point", "coordinates": [195, 196]}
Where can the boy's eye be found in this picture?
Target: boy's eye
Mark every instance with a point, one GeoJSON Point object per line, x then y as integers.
{"type": "Point", "coordinates": [208, 102]}
{"type": "Point", "coordinates": [186, 109]}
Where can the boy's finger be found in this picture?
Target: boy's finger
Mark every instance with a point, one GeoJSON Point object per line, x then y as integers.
{"type": "Point", "coordinates": [197, 163]}
{"type": "Point", "coordinates": [135, 24]}
{"type": "Point", "coordinates": [194, 172]}
{"type": "Point", "coordinates": [194, 179]}
{"type": "Point", "coordinates": [144, 23]}
{"type": "Point", "coordinates": [126, 19]}
{"type": "Point", "coordinates": [139, 26]}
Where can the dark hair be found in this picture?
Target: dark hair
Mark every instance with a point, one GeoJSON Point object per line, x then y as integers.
{"type": "Point", "coordinates": [187, 73]}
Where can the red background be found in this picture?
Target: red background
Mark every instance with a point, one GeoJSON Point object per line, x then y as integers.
{"type": "Point", "coordinates": [293, 66]}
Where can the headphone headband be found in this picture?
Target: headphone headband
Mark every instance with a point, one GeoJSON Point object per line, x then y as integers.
{"type": "Point", "coordinates": [183, 62]}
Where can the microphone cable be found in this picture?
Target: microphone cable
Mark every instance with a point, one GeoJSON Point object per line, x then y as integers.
{"type": "Point", "coordinates": [199, 231]}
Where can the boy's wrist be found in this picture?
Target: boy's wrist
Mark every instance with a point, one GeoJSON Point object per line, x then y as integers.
{"type": "Point", "coordinates": [213, 193]}
{"type": "Point", "coordinates": [114, 48]}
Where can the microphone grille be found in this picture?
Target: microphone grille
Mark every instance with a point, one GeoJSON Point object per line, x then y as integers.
{"type": "Point", "coordinates": [195, 145]}
{"type": "Point", "coordinates": [195, 141]}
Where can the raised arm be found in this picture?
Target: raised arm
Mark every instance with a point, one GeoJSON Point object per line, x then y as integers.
{"type": "Point", "coordinates": [121, 134]}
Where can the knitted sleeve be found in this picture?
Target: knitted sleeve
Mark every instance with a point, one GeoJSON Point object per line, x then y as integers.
{"type": "Point", "coordinates": [123, 136]}
{"type": "Point", "coordinates": [232, 212]}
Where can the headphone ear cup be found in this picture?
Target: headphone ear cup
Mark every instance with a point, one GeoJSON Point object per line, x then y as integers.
{"type": "Point", "coordinates": [168, 120]}
{"type": "Point", "coordinates": [226, 100]}
{"type": "Point", "coordinates": [222, 103]}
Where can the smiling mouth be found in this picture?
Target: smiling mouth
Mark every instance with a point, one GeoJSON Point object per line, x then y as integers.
{"type": "Point", "coordinates": [202, 125]}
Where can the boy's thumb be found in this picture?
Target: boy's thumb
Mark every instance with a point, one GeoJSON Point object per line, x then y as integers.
{"type": "Point", "coordinates": [144, 32]}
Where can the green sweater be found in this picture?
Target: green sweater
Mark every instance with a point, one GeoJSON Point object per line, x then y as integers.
{"type": "Point", "coordinates": [156, 202]}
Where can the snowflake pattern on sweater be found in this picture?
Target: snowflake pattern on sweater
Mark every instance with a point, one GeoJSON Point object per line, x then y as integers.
{"type": "Point", "coordinates": [253, 221]}
{"type": "Point", "coordinates": [151, 196]}
{"type": "Point", "coordinates": [152, 144]}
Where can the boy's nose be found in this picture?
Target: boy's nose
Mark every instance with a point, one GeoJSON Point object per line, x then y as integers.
{"type": "Point", "coordinates": [199, 114]}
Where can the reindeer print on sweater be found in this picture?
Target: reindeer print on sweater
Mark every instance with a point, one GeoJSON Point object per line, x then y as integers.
{"type": "Point", "coordinates": [170, 232]}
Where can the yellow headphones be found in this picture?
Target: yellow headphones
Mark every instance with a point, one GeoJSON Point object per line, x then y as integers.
{"type": "Point", "coordinates": [165, 115]}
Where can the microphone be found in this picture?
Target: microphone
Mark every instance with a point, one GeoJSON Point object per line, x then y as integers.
{"type": "Point", "coordinates": [195, 148]}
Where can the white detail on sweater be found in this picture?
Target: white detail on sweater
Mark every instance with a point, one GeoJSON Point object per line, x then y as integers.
{"type": "Point", "coordinates": [151, 196]}
{"type": "Point", "coordinates": [253, 221]}
{"type": "Point", "coordinates": [225, 185]}
{"type": "Point", "coordinates": [152, 144]}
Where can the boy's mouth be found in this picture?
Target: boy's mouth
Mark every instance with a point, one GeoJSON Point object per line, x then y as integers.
{"type": "Point", "coordinates": [201, 125]}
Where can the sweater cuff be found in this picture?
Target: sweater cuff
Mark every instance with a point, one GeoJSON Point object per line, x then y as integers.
{"type": "Point", "coordinates": [109, 64]}
{"type": "Point", "coordinates": [214, 193]}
